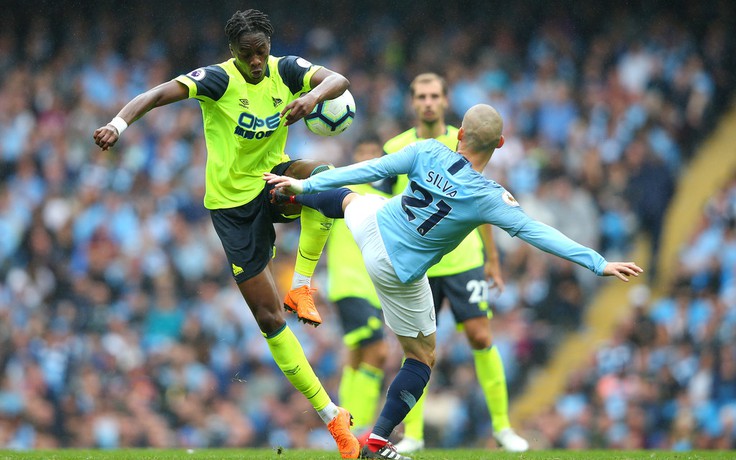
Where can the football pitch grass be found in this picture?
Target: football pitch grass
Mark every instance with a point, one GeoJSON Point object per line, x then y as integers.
{"type": "Point", "coordinates": [304, 454]}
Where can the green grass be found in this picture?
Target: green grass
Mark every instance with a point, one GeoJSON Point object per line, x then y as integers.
{"type": "Point", "coordinates": [302, 454]}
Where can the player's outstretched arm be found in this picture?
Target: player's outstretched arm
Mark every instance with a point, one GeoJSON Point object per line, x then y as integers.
{"type": "Point", "coordinates": [622, 270]}
{"type": "Point", "coordinates": [163, 94]}
{"type": "Point", "coordinates": [285, 183]}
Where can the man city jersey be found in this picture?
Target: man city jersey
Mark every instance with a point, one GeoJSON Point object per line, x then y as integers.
{"type": "Point", "coordinates": [445, 200]}
{"type": "Point", "coordinates": [398, 142]}
{"type": "Point", "coordinates": [243, 129]}
{"type": "Point", "coordinates": [469, 253]}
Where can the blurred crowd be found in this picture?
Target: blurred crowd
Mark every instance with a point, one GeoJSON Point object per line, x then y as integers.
{"type": "Point", "coordinates": [667, 379]}
{"type": "Point", "coordinates": [120, 324]}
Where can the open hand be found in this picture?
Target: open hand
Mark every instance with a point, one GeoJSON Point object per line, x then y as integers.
{"type": "Point", "coordinates": [492, 271]}
{"type": "Point", "coordinates": [299, 108]}
{"type": "Point", "coordinates": [286, 183]}
{"type": "Point", "coordinates": [622, 270]}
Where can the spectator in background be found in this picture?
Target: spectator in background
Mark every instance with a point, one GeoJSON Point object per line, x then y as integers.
{"type": "Point", "coordinates": [649, 189]}
{"type": "Point", "coordinates": [668, 359]}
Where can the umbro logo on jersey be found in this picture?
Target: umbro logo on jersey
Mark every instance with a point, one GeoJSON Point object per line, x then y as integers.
{"type": "Point", "coordinates": [244, 103]}
{"type": "Point", "coordinates": [276, 101]}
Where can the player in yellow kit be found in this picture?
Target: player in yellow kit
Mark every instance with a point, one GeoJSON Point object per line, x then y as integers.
{"type": "Point", "coordinates": [351, 290]}
{"type": "Point", "coordinates": [460, 277]}
{"type": "Point", "coordinates": [247, 104]}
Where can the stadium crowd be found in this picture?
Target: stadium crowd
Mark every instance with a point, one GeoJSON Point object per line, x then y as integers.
{"type": "Point", "coordinates": [120, 324]}
{"type": "Point", "coordinates": [667, 379]}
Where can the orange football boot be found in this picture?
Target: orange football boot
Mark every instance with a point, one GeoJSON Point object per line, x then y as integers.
{"type": "Point", "coordinates": [300, 301]}
{"type": "Point", "coordinates": [339, 428]}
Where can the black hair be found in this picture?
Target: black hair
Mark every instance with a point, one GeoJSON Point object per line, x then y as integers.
{"type": "Point", "coordinates": [247, 22]}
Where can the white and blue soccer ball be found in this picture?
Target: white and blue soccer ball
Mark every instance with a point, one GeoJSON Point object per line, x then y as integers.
{"type": "Point", "coordinates": [332, 116]}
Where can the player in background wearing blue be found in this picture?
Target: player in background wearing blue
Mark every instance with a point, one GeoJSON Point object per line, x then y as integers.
{"type": "Point", "coordinates": [247, 104]}
{"type": "Point", "coordinates": [350, 288]}
{"type": "Point", "coordinates": [460, 277]}
{"type": "Point", "coordinates": [401, 238]}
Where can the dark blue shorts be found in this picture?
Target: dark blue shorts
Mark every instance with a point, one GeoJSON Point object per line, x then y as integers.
{"type": "Point", "coordinates": [466, 292]}
{"type": "Point", "coordinates": [247, 233]}
{"type": "Point", "coordinates": [362, 323]}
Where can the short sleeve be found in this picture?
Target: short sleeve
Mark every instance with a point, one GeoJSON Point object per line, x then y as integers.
{"type": "Point", "coordinates": [206, 82]}
{"type": "Point", "coordinates": [296, 73]}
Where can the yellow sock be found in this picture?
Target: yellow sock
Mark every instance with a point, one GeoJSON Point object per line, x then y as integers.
{"type": "Point", "coordinates": [414, 420]}
{"type": "Point", "coordinates": [315, 228]}
{"type": "Point", "coordinates": [345, 390]}
{"type": "Point", "coordinates": [492, 379]}
{"type": "Point", "coordinates": [367, 382]}
{"type": "Point", "coordinates": [289, 356]}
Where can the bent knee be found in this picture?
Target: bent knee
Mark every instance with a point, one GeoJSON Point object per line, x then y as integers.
{"type": "Point", "coordinates": [478, 333]}
{"type": "Point", "coordinates": [479, 341]}
{"type": "Point", "coordinates": [375, 353]}
{"type": "Point", "coordinates": [420, 348]}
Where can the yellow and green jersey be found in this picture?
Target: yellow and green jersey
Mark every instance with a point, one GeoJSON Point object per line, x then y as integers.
{"type": "Point", "coordinates": [469, 253]}
{"type": "Point", "coordinates": [348, 279]}
{"type": "Point", "coordinates": [243, 129]}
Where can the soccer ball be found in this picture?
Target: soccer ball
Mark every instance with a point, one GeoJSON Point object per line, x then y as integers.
{"type": "Point", "coordinates": [333, 116]}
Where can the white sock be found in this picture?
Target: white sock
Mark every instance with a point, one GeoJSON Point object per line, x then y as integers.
{"type": "Point", "coordinates": [328, 413]}
{"type": "Point", "coordinates": [300, 280]}
{"type": "Point", "coordinates": [375, 436]}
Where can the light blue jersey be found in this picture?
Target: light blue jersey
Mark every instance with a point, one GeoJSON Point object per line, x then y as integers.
{"type": "Point", "coordinates": [445, 200]}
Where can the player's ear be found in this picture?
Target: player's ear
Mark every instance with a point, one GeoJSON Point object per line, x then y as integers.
{"type": "Point", "coordinates": [460, 134]}
{"type": "Point", "coordinates": [500, 142]}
